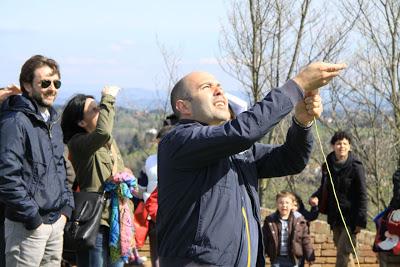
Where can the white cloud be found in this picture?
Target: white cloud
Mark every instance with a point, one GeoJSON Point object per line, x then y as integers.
{"type": "Point", "coordinates": [227, 60]}
{"type": "Point", "coordinates": [208, 61]}
{"type": "Point", "coordinates": [122, 45]}
{"type": "Point", "coordinates": [116, 48]}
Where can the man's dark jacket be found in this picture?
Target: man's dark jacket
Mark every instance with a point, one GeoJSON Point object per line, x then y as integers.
{"type": "Point", "coordinates": [202, 173]}
{"type": "Point", "coordinates": [33, 182]}
{"type": "Point", "coordinates": [351, 190]}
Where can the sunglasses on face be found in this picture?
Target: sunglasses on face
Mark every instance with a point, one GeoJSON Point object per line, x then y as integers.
{"type": "Point", "coordinates": [46, 83]}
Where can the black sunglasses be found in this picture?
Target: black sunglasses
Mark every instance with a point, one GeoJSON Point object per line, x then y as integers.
{"type": "Point", "coordinates": [46, 83]}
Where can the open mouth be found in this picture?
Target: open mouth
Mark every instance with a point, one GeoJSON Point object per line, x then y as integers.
{"type": "Point", "coordinates": [219, 103]}
{"type": "Point", "coordinates": [50, 96]}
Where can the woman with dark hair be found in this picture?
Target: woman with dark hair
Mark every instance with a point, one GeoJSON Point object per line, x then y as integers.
{"type": "Point", "coordinates": [73, 113]}
{"type": "Point", "coordinates": [87, 131]}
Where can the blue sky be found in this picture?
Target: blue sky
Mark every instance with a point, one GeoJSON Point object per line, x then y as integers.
{"type": "Point", "coordinates": [112, 42]}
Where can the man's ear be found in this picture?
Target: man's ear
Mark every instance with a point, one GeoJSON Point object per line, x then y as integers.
{"type": "Point", "coordinates": [82, 124]}
{"type": "Point", "coordinates": [28, 88]}
{"type": "Point", "coordinates": [184, 107]}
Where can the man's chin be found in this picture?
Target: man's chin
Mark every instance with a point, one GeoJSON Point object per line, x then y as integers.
{"type": "Point", "coordinates": [222, 120]}
{"type": "Point", "coordinates": [224, 117]}
{"type": "Point", "coordinates": [46, 104]}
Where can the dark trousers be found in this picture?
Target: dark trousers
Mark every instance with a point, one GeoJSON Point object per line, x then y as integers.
{"type": "Point", "coordinates": [153, 245]}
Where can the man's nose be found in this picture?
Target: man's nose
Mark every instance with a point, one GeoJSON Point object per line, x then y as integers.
{"type": "Point", "coordinates": [218, 89]}
{"type": "Point", "coordinates": [51, 88]}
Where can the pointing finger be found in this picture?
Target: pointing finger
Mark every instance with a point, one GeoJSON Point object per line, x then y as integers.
{"type": "Point", "coordinates": [331, 67]}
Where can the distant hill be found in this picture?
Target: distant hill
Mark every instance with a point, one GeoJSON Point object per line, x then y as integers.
{"type": "Point", "coordinates": [134, 98]}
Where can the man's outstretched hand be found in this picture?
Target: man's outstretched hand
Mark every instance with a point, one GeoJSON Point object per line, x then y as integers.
{"type": "Point", "coordinates": [310, 107]}
{"type": "Point", "coordinates": [317, 74]}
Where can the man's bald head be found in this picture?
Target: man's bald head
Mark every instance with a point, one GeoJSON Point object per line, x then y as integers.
{"type": "Point", "coordinates": [179, 91]}
{"type": "Point", "coordinates": [199, 96]}
{"type": "Point", "coordinates": [182, 89]}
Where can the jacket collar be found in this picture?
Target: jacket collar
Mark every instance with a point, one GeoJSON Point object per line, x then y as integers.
{"type": "Point", "coordinates": [189, 121]}
{"type": "Point", "coordinates": [331, 158]}
{"type": "Point", "coordinates": [23, 103]}
{"type": "Point", "coordinates": [292, 215]}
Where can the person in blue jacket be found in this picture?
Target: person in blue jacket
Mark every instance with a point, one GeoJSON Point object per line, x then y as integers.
{"type": "Point", "coordinates": [4, 94]}
{"type": "Point", "coordinates": [33, 182]}
{"type": "Point", "coordinates": [209, 166]}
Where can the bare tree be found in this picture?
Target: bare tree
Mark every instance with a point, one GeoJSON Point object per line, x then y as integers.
{"type": "Point", "coordinates": [267, 41]}
{"type": "Point", "coordinates": [169, 77]}
{"type": "Point", "coordinates": [244, 44]}
{"type": "Point", "coordinates": [367, 99]}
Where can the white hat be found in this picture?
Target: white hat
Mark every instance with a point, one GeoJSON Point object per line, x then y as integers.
{"type": "Point", "coordinates": [237, 104]}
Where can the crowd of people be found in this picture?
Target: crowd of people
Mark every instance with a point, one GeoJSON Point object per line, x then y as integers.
{"type": "Point", "coordinates": [196, 198]}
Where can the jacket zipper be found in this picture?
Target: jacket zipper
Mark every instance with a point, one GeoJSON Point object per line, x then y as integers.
{"type": "Point", "coordinates": [50, 127]}
{"type": "Point", "coordinates": [248, 237]}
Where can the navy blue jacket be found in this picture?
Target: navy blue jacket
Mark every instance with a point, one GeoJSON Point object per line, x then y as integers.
{"type": "Point", "coordinates": [33, 183]}
{"type": "Point", "coordinates": [202, 173]}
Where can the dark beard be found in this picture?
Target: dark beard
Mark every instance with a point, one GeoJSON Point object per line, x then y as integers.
{"type": "Point", "coordinates": [39, 100]}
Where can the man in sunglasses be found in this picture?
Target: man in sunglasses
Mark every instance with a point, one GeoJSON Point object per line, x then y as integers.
{"type": "Point", "coordinates": [33, 184]}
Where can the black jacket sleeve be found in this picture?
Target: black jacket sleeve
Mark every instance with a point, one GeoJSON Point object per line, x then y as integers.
{"type": "Point", "coordinates": [289, 158]}
{"type": "Point", "coordinates": [360, 191]}
{"type": "Point", "coordinates": [310, 215]}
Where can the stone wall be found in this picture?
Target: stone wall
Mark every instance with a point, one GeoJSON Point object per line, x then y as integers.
{"type": "Point", "coordinates": [325, 251]}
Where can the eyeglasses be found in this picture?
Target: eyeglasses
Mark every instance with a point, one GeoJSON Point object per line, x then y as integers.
{"type": "Point", "coordinates": [46, 83]}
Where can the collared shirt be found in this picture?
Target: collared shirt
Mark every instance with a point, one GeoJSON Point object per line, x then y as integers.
{"type": "Point", "coordinates": [284, 251]}
{"type": "Point", "coordinates": [45, 115]}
